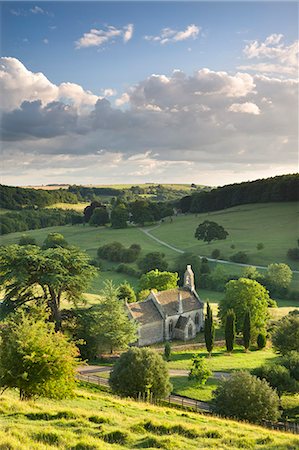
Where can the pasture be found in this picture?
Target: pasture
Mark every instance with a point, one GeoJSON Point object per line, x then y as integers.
{"type": "Point", "coordinates": [96, 420]}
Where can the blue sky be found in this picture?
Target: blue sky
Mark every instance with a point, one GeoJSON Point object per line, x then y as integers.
{"type": "Point", "coordinates": [54, 39]}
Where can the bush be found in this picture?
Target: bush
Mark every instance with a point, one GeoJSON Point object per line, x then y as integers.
{"type": "Point", "coordinates": [123, 268]}
{"type": "Point", "coordinates": [261, 340]}
{"type": "Point", "coordinates": [215, 253]}
{"type": "Point", "coordinates": [260, 246]}
{"type": "Point", "coordinates": [140, 371]}
{"type": "Point", "coordinates": [278, 377]}
{"type": "Point", "coordinates": [25, 239]}
{"type": "Point", "coordinates": [291, 362]}
{"type": "Point", "coordinates": [152, 261]}
{"type": "Point", "coordinates": [116, 252]}
{"type": "Point", "coordinates": [285, 336]}
{"type": "Point", "coordinates": [240, 257]}
{"type": "Point", "coordinates": [126, 293]}
{"type": "Point", "coordinates": [199, 370]}
{"type": "Point", "coordinates": [246, 397]}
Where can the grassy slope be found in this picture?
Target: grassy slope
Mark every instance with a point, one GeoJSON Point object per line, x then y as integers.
{"type": "Point", "coordinates": [89, 421]}
{"type": "Point", "coordinates": [73, 206]}
{"type": "Point", "coordinates": [273, 224]}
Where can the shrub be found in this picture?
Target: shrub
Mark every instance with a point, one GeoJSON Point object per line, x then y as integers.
{"type": "Point", "coordinates": [261, 340]}
{"type": "Point", "coordinates": [199, 370]}
{"type": "Point", "coordinates": [244, 396]}
{"type": "Point", "coordinates": [152, 261]}
{"type": "Point", "coordinates": [123, 268]}
{"type": "Point", "coordinates": [291, 362]}
{"type": "Point", "coordinates": [126, 292]}
{"type": "Point", "coordinates": [25, 239]}
{"type": "Point", "coordinates": [116, 252]}
{"type": "Point", "coordinates": [167, 351]}
{"type": "Point", "coordinates": [285, 336]}
{"type": "Point", "coordinates": [215, 253]}
{"type": "Point", "coordinates": [278, 377]}
{"type": "Point", "coordinates": [260, 246]}
{"type": "Point", "coordinates": [140, 371]}
{"type": "Point", "coordinates": [240, 257]}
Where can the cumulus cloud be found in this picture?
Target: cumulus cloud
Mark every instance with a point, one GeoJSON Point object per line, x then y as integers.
{"type": "Point", "coordinates": [247, 107]}
{"type": "Point", "coordinates": [171, 125]}
{"type": "Point", "coordinates": [18, 84]}
{"type": "Point", "coordinates": [97, 38]}
{"type": "Point", "coordinates": [169, 35]}
{"type": "Point", "coordinates": [37, 10]}
{"type": "Point", "coordinates": [276, 55]}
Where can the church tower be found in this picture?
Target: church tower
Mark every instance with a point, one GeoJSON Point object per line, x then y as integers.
{"type": "Point", "coordinates": [189, 279]}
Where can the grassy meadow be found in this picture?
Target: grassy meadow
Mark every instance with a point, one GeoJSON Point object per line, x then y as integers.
{"type": "Point", "coordinates": [96, 420]}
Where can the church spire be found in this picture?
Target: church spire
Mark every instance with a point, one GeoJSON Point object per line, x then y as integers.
{"type": "Point", "coordinates": [189, 279]}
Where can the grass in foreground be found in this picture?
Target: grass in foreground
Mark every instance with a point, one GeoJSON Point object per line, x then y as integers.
{"type": "Point", "coordinates": [95, 420]}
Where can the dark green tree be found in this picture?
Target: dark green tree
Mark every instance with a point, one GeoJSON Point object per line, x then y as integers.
{"type": "Point", "coordinates": [261, 340]}
{"type": "Point", "coordinates": [246, 397]}
{"type": "Point", "coordinates": [230, 330]}
{"type": "Point", "coordinates": [34, 359]}
{"type": "Point", "coordinates": [247, 330]}
{"type": "Point", "coordinates": [25, 239]}
{"type": "Point", "coordinates": [208, 231]}
{"type": "Point", "coordinates": [140, 371]}
{"type": "Point", "coordinates": [152, 261]}
{"type": "Point", "coordinates": [278, 377]}
{"type": "Point", "coordinates": [29, 273]}
{"type": "Point", "coordinates": [209, 329]}
{"type": "Point", "coordinates": [119, 216]}
{"type": "Point", "coordinates": [285, 336]}
{"type": "Point", "coordinates": [99, 217]}
{"type": "Point", "coordinates": [167, 351]}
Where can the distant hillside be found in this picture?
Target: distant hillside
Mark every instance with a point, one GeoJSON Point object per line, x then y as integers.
{"type": "Point", "coordinates": [18, 198]}
{"type": "Point", "coordinates": [283, 188]}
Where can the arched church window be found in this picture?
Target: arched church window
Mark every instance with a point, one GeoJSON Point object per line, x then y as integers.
{"type": "Point", "coordinates": [196, 319]}
{"type": "Point", "coordinates": [190, 331]}
{"type": "Point", "coordinates": [170, 328]}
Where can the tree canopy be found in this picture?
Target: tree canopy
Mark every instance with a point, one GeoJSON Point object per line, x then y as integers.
{"type": "Point", "coordinates": [140, 371]}
{"type": "Point", "coordinates": [152, 261]}
{"type": "Point", "coordinates": [34, 358]}
{"type": "Point", "coordinates": [208, 231]}
{"type": "Point", "coordinates": [285, 336]}
{"type": "Point", "coordinates": [29, 273]}
{"type": "Point", "coordinates": [158, 280]}
{"type": "Point", "coordinates": [244, 295]}
{"type": "Point", "coordinates": [55, 240]}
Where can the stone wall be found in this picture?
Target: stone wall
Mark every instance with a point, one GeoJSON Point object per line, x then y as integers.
{"type": "Point", "coordinates": [150, 333]}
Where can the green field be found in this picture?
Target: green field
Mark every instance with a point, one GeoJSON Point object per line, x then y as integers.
{"type": "Point", "coordinates": [96, 420]}
{"type": "Point", "coordinates": [72, 206]}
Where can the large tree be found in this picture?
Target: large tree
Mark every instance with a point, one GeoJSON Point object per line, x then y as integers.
{"type": "Point", "coordinates": [286, 333]}
{"type": "Point", "coordinates": [209, 231]}
{"type": "Point", "coordinates": [279, 276]}
{"type": "Point", "coordinates": [119, 216]}
{"type": "Point", "coordinates": [158, 280]}
{"type": "Point", "coordinates": [34, 358]}
{"type": "Point", "coordinates": [29, 273]}
{"type": "Point", "coordinates": [152, 261]}
{"type": "Point", "coordinates": [141, 371]}
{"type": "Point", "coordinates": [242, 295]}
{"type": "Point", "coordinates": [110, 327]}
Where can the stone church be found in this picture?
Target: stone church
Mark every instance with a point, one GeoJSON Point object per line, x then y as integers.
{"type": "Point", "coordinates": [166, 315]}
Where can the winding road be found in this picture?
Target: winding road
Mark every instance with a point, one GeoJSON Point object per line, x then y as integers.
{"type": "Point", "coordinates": [221, 261]}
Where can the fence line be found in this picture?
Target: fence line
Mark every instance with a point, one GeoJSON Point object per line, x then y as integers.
{"type": "Point", "coordinates": [190, 403]}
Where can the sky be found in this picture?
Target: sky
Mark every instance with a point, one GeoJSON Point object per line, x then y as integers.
{"type": "Point", "coordinates": [133, 92]}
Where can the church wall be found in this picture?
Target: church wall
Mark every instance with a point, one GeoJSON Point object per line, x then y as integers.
{"type": "Point", "coordinates": [150, 333]}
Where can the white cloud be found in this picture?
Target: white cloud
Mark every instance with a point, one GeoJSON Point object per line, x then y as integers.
{"type": "Point", "coordinates": [125, 98]}
{"type": "Point", "coordinates": [169, 35]}
{"type": "Point", "coordinates": [247, 107]}
{"type": "Point", "coordinates": [284, 57]}
{"type": "Point", "coordinates": [18, 84]}
{"type": "Point", "coordinates": [97, 38]}
{"type": "Point", "coordinates": [128, 32]}
{"type": "Point", "coordinates": [109, 92]}
{"type": "Point", "coordinates": [46, 41]}
{"type": "Point", "coordinates": [38, 10]}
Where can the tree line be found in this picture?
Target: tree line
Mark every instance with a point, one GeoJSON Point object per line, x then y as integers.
{"type": "Point", "coordinates": [283, 188]}
{"type": "Point", "coordinates": [12, 197]}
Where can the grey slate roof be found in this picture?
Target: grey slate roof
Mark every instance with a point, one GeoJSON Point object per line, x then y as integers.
{"type": "Point", "coordinates": [182, 323]}
{"type": "Point", "coordinates": [169, 300]}
{"type": "Point", "coordinates": [144, 312]}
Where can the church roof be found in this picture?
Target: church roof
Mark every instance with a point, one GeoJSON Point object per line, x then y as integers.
{"type": "Point", "coordinates": [169, 300]}
{"type": "Point", "coordinates": [144, 312]}
{"type": "Point", "coordinates": [182, 323]}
